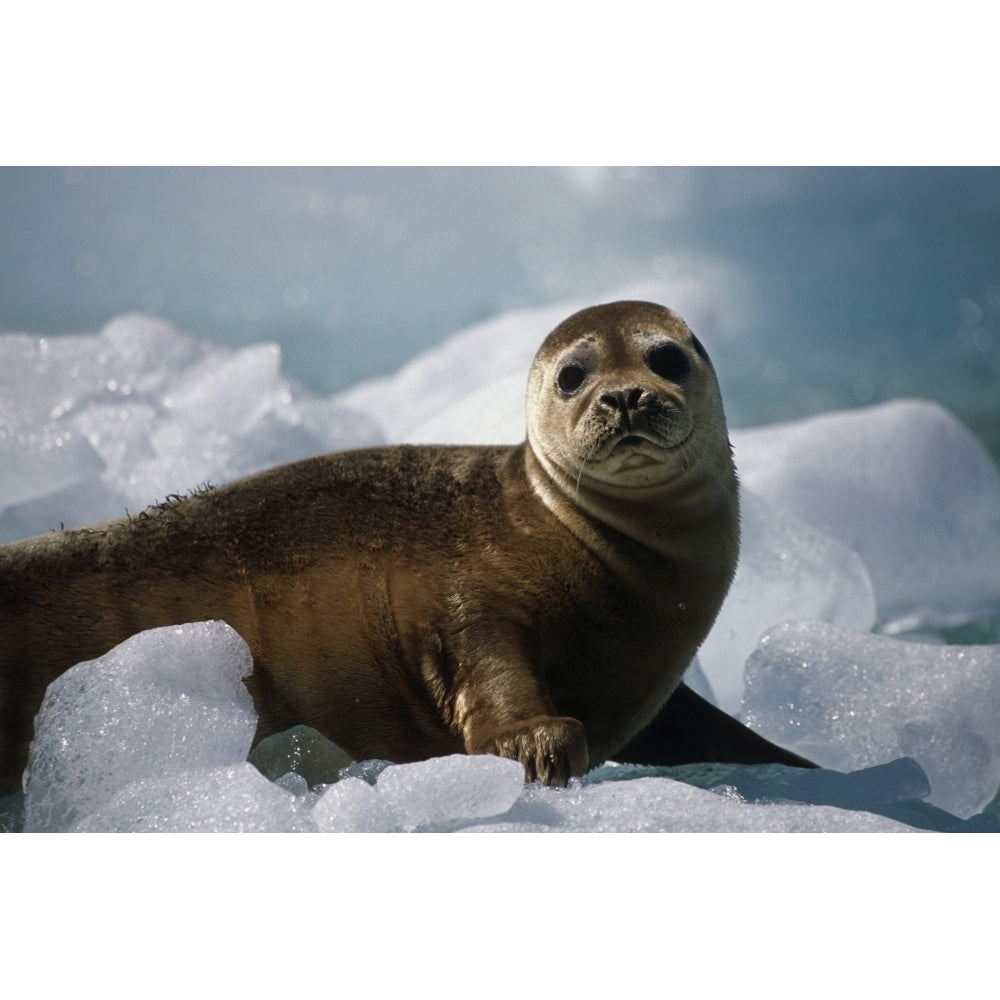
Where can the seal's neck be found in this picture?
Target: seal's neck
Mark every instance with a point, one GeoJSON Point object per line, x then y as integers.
{"type": "Point", "coordinates": [670, 518]}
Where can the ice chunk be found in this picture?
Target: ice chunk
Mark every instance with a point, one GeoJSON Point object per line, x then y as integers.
{"type": "Point", "coordinates": [895, 790]}
{"type": "Point", "coordinates": [45, 379]}
{"type": "Point", "coordinates": [907, 487]}
{"type": "Point", "coordinates": [234, 799]}
{"type": "Point", "coordinates": [662, 805]}
{"type": "Point", "coordinates": [162, 703]}
{"type": "Point", "coordinates": [443, 793]}
{"type": "Point", "coordinates": [849, 700]}
{"type": "Point", "coordinates": [120, 433]}
{"type": "Point", "coordinates": [234, 414]}
{"type": "Point", "coordinates": [231, 390]}
{"type": "Point", "coordinates": [787, 570]}
{"type": "Point", "coordinates": [41, 460]}
{"type": "Point", "coordinates": [352, 805]}
{"type": "Point", "coordinates": [450, 790]}
{"type": "Point", "coordinates": [885, 784]}
{"type": "Point", "coordinates": [624, 798]}
{"type": "Point", "coordinates": [93, 425]}
{"type": "Point", "coordinates": [303, 751]}
{"type": "Point", "coordinates": [294, 784]}
{"type": "Point", "coordinates": [148, 353]}
{"type": "Point", "coordinates": [74, 411]}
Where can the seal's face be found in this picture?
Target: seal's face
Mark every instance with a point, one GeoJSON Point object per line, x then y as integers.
{"type": "Point", "coordinates": [623, 396]}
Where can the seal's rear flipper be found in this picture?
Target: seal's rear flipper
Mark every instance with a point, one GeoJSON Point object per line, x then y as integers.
{"type": "Point", "coordinates": [691, 730]}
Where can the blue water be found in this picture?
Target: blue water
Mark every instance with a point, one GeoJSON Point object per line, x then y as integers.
{"type": "Point", "coordinates": [836, 287]}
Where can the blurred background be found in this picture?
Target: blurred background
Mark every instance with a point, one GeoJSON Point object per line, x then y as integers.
{"type": "Point", "coordinates": [824, 287]}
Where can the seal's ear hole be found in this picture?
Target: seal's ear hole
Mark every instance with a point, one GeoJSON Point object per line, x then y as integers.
{"type": "Point", "coordinates": [571, 376]}
{"type": "Point", "coordinates": [700, 349]}
{"type": "Point", "coordinates": [668, 361]}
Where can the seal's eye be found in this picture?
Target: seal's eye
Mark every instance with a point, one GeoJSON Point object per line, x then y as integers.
{"type": "Point", "coordinates": [571, 376]}
{"type": "Point", "coordinates": [668, 361]}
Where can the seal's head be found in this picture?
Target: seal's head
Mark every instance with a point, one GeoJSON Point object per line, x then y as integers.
{"type": "Point", "coordinates": [623, 400]}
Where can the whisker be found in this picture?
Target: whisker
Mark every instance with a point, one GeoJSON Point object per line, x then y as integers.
{"type": "Point", "coordinates": [579, 475]}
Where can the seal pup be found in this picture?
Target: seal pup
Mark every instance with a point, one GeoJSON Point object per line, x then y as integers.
{"type": "Point", "coordinates": [539, 602]}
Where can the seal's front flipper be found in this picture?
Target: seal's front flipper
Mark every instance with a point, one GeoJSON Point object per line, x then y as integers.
{"type": "Point", "coordinates": [552, 750]}
{"type": "Point", "coordinates": [691, 730]}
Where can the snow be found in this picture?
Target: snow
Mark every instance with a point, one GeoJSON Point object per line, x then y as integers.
{"type": "Point", "coordinates": [859, 526]}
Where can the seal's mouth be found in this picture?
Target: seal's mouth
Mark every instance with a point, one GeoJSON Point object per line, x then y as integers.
{"type": "Point", "coordinates": [630, 442]}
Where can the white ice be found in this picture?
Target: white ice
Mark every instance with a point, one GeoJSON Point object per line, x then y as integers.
{"type": "Point", "coordinates": [787, 570]}
{"type": "Point", "coordinates": [849, 700]}
{"type": "Point", "coordinates": [163, 703]}
{"type": "Point", "coordinates": [93, 425]}
{"type": "Point", "coordinates": [232, 799]}
{"type": "Point", "coordinates": [153, 737]}
{"type": "Point", "coordinates": [443, 793]}
{"type": "Point", "coordinates": [886, 517]}
{"type": "Point", "coordinates": [907, 487]}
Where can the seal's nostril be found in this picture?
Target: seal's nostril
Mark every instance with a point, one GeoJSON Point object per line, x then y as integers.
{"type": "Point", "coordinates": [623, 399]}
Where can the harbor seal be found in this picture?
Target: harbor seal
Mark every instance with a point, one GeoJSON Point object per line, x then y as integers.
{"type": "Point", "coordinates": [539, 602]}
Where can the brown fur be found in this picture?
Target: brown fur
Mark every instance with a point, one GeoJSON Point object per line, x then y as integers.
{"type": "Point", "coordinates": [539, 602]}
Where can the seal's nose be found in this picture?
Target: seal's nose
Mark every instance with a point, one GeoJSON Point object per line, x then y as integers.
{"type": "Point", "coordinates": [623, 399]}
{"type": "Point", "coordinates": [625, 402]}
